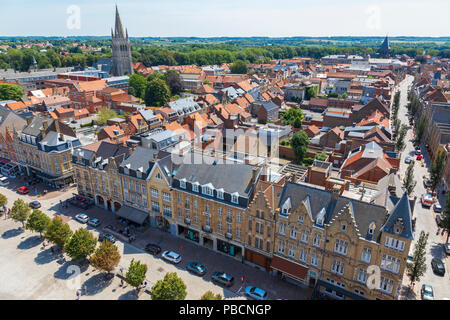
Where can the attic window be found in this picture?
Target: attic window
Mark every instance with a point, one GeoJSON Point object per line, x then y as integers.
{"type": "Point", "coordinates": [195, 187]}
{"type": "Point", "coordinates": [183, 183]}
{"type": "Point", "coordinates": [319, 221]}
{"type": "Point", "coordinates": [371, 228]}
{"type": "Point", "coordinates": [234, 197]}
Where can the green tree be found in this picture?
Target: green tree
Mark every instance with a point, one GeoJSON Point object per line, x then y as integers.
{"type": "Point", "coordinates": [299, 143]}
{"type": "Point", "coordinates": [136, 273]}
{"type": "Point", "coordinates": [297, 123]}
{"type": "Point", "coordinates": [156, 75]}
{"type": "Point", "coordinates": [106, 257]}
{"type": "Point", "coordinates": [157, 93]}
{"type": "Point", "coordinates": [173, 80]}
{"type": "Point", "coordinates": [420, 129]}
{"type": "Point", "coordinates": [104, 114]}
{"type": "Point", "coordinates": [311, 92]}
{"type": "Point", "coordinates": [171, 287]}
{"type": "Point", "coordinates": [321, 156]}
{"type": "Point", "coordinates": [81, 245]}
{"type": "Point", "coordinates": [292, 115]}
{"type": "Point", "coordinates": [209, 295]}
{"type": "Point", "coordinates": [239, 67]}
{"type": "Point", "coordinates": [417, 268]}
{"type": "Point", "coordinates": [409, 182]}
{"type": "Point", "coordinates": [20, 211]}
{"type": "Point", "coordinates": [38, 221]}
{"type": "Point", "coordinates": [10, 92]}
{"type": "Point", "coordinates": [58, 232]}
{"type": "Point", "coordinates": [445, 224]}
{"type": "Point", "coordinates": [437, 169]}
{"type": "Point", "coordinates": [400, 143]}
{"type": "Point", "coordinates": [137, 85]}
{"type": "Point", "coordinates": [3, 200]}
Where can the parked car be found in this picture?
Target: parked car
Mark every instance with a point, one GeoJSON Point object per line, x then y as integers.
{"type": "Point", "coordinates": [4, 181]}
{"type": "Point", "coordinates": [419, 157]}
{"type": "Point", "coordinates": [106, 236]}
{"type": "Point", "coordinates": [153, 248]}
{"type": "Point", "coordinates": [222, 278]}
{"type": "Point", "coordinates": [94, 222]}
{"type": "Point", "coordinates": [438, 266]}
{"type": "Point", "coordinates": [196, 268]}
{"type": "Point", "coordinates": [427, 292]}
{"type": "Point", "coordinates": [35, 205]}
{"type": "Point", "coordinates": [437, 208]}
{"type": "Point", "coordinates": [171, 256]}
{"type": "Point", "coordinates": [255, 293]}
{"type": "Point", "coordinates": [23, 190]}
{"type": "Point", "coordinates": [439, 219]}
{"type": "Point", "coordinates": [81, 217]}
{"type": "Point", "coordinates": [447, 248]}
{"type": "Point", "coordinates": [408, 159]}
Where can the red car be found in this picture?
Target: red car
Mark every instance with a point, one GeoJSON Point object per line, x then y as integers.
{"type": "Point", "coordinates": [23, 190]}
{"type": "Point", "coordinates": [419, 157]}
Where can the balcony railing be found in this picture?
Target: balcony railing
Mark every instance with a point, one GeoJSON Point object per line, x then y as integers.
{"type": "Point", "coordinates": [207, 228]}
{"type": "Point", "coordinates": [187, 220]}
{"type": "Point", "coordinates": [228, 235]}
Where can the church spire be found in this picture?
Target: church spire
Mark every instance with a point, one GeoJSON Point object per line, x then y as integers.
{"type": "Point", "coordinates": [119, 27]}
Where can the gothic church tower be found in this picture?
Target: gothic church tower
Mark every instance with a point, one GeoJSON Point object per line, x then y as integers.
{"type": "Point", "coordinates": [121, 50]}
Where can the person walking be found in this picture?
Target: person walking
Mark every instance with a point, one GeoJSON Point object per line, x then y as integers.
{"type": "Point", "coordinates": [78, 294]}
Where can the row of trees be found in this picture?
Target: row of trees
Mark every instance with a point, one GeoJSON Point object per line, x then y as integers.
{"type": "Point", "coordinates": [10, 92]}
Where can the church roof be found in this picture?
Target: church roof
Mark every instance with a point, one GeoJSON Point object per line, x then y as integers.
{"type": "Point", "coordinates": [119, 33]}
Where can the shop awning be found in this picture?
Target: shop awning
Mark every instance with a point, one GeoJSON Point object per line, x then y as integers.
{"type": "Point", "coordinates": [132, 214]}
{"type": "Point", "coordinates": [291, 269]}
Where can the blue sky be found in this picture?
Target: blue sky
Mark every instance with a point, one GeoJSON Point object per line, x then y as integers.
{"type": "Point", "coordinates": [210, 18]}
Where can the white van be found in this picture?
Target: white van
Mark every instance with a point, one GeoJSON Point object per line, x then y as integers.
{"type": "Point", "coordinates": [4, 181]}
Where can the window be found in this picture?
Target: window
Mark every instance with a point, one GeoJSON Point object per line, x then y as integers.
{"type": "Point", "coordinates": [195, 204]}
{"type": "Point", "coordinates": [282, 228]}
{"type": "Point", "coordinates": [155, 207]}
{"type": "Point", "coordinates": [362, 276]}
{"type": "Point", "coordinates": [366, 255]}
{"type": "Point", "coordinates": [208, 221]}
{"type": "Point", "coordinates": [293, 233]}
{"type": "Point", "coordinates": [259, 243]}
{"type": "Point", "coordinates": [207, 207]}
{"type": "Point", "coordinates": [302, 256]}
{"type": "Point", "coordinates": [182, 182]}
{"type": "Point", "coordinates": [371, 228]}
{"type": "Point", "coordinates": [207, 190]}
{"type": "Point", "coordinates": [180, 213]}
{"type": "Point", "coordinates": [390, 263]}
{"type": "Point", "coordinates": [196, 218]}
{"type": "Point", "coordinates": [394, 244]}
{"type": "Point", "coordinates": [314, 259]}
{"type": "Point", "coordinates": [219, 211]}
{"type": "Point", "coordinates": [316, 240]}
{"type": "Point", "coordinates": [166, 197]}
{"type": "Point", "coordinates": [341, 246]}
{"type": "Point", "coordinates": [229, 230]}
{"type": "Point", "coordinates": [259, 228]}
{"type": "Point", "coordinates": [238, 232]}
{"type": "Point", "coordinates": [281, 247]}
{"type": "Point", "coordinates": [219, 226]}
{"type": "Point", "coordinates": [186, 203]}
{"type": "Point", "coordinates": [343, 227]}
{"type": "Point", "coordinates": [234, 198]}
{"type": "Point", "coordinates": [167, 211]}
{"type": "Point", "coordinates": [179, 198]}
{"type": "Point", "coordinates": [220, 194]}
{"type": "Point", "coordinates": [195, 187]}
{"type": "Point", "coordinates": [337, 267]}
{"type": "Point", "coordinates": [238, 217]}
{"type": "Point", "coordinates": [250, 224]}
{"type": "Point", "coordinates": [291, 251]}
{"type": "Point", "coordinates": [300, 219]}
{"type": "Point", "coordinates": [249, 239]}
{"type": "Point", "coordinates": [305, 236]}
{"type": "Point", "coordinates": [154, 193]}
{"type": "Point", "coordinates": [386, 285]}
{"type": "Point", "coordinates": [268, 246]}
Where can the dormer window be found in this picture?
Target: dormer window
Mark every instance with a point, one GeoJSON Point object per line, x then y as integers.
{"type": "Point", "coordinates": [220, 194]}
{"type": "Point", "coordinates": [208, 189]}
{"type": "Point", "coordinates": [319, 221]}
{"type": "Point", "coordinates": [235, 197]}
{"type": "Point", "coordinates": [371, 228]}
{"type": "Point", "coordinates": [183, 183]}
{"type": "Point", "coordinates": [195, 187]}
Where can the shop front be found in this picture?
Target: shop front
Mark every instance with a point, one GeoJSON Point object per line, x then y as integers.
{"type": "Point", "coordinates": [229, 248]}
{"type": "Point", "coordinates": [162, 223]}
{"type": "Point", "coordinates": [191, 235]}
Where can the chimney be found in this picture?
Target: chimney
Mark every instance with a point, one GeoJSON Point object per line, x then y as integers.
{"type": "Point", "coordinates": [57, 129]}
{"type": "Point", "coordinates": [155, 156]}
{"type": "Point", "coordinates": [29, 120]}
{"type": "Point", "coordinates": [61, 137]}
{"type": "Point", "coordinates": [45, 125]}
{"type": "Point", "coordinates": [254, 173]}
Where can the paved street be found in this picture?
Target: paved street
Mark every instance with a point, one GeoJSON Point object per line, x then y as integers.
{"type": "Point", "coordinates": [27, 277]}
{"type": "Point", "coordinates": [425, 217]}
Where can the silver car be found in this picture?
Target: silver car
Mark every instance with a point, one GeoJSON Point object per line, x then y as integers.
{"type": "Point", "coordinates": [81, 217]}
{"type": "Point", "coordinates": [171, 256]}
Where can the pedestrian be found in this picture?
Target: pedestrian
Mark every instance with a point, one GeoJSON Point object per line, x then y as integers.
{"type": "Point", "coordinates": [78, 294]}
{"type": "Point", "coordinates": [121, 282]}
{"type": "Point", "coordinates": [242, 279]}
{"type": "Point", "coordinates": [437, 233]}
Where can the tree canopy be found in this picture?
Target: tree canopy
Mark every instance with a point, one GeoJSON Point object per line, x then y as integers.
{"type": "Point", "coordinates": [58, 232]}
{"type": "Point", "coordinates": [10, 92]}
{"type": "Point", "coordinates": [20, 211]}
{"type": "Point", "coordinates": [239, 67]}
{"type": "Point", "coordinates": [157, 93]}
{"type": "Point", "coordinates": [104, 114]}
{"type": "Point", "coordinates": [137, 85]}
{"type": "Point", "coordinates": [38, 221]}
{"type": "Point", "coordinates": [171, 287]}
{"type": "Point", "coordinates": [81, 245]}
{"type": "Point", "coordinates": [299, 143]}
{"type": "Point", "coordinates": [136, 273]}
{"type": "Point", "coordinates": [106, 257]}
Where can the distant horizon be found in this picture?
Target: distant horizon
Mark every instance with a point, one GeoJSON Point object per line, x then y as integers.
{"type": "Point", "coordinates": [231, 18]}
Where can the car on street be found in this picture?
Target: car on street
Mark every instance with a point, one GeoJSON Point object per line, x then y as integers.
{"type": "Point", "coordinates": [94, 222]}
{"type": "Point", "coordinates": [426, 292]}
{"type": "Point", "coordinates": [223, 278]}
{"type": "Point", "coordinates": [4, 181]}
{"type": "Point", "coordinates": [106, 236]}
{"type": "Point", "coordinates": [427, 200]}
{"type": "Point", "coordinates": [196, 268]}
{"type": "Point", "coordinates": [255, 293]}
{"type": "Point", "coordinates": [438, 266]}
{"type": "Point", "coordinates": [419, 157]}
{"type": "Point", "coordinates": [408, 159]}
{"type": "Point", "coordinates": [171, 256]}
{"type": "Point", "coordinates": [81, 217]}
{"type": "Point", "coordinates": [437, 208]}
{"type": "Point", "coordinates": [23, 190]}
{"type": "Point", "coordinates": [35, 205]}
{"type": "Point", "coordinates": [73, 121]}
{"type": "Point", "coordinates": [153, 248]}
{"type": "Point", "coordinates": [447, 248]}
{"type": "Point", "coordinates": [427, 183]}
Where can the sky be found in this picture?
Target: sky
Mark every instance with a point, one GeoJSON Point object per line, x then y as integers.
{"type": "Point", "coordinates": [232, 18]}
